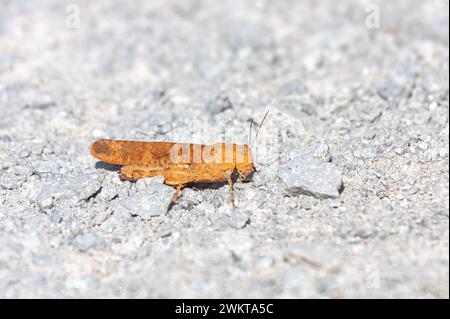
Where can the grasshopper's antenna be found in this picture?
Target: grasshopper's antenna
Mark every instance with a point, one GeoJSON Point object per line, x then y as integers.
{"type": "Point", "coordinates": [250, 132]}
{"type": "Point", "coordinates": [259, 128]}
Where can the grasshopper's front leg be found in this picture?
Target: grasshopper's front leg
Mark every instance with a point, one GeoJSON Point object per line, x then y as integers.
{"type": "Point", "coordinates": [177, 193]}
{"type": "Point", "coordinates": [229, 176]}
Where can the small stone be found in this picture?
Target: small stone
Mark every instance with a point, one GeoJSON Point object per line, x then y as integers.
{"type": "Point", "coordinates": [438, 209]}
{"type": "Point", "coordinates": [148, 183]}
{"type": "Point", "coordinates": [372, 114]}
{"type": "Point", "coordinates": [37, 100]}
{"type": "Point", "coordinates": [44, 202]}
{"type": "Point", "coordinates": [45, 167]}
{"type": "Point", "coordinates": [305, 175]}
{"type": "Point", "coordinates": [70, 191]}
{"type": "Point", "coordinates": [366, 230]}
{"type": "Point", "coordinates": [411, 191]}
{"type": "Point", "coordinates": [348, 155]}
{"type": "Point", "coordinates": [190, 198]}
{"type": "Point", "coordinates": [165, 231]}
{"type": "Point", "coordinates": [11, 181]}
{"type": "Point", "coordinates": [443, 152]}
{"type": "Point", "coordinates": [422, 118]}
{"type": "Point", "coordinates": [23, 171]}
{"type": "Point", "coordinates": [423, 146]}
{"type": "Point", "coordinates": [293, 87]}
{"type": "Point", "coordinates": [390, 90]}
{"type": "Point", "coordinates": [99, 133]}
{"type": "Point", "coordinates": [116, 240]}
{"type": "Point", "coordinates": [221, 197]}
{"type": "Point", "coordinates": [5, 138]}
{"type": "Point", "coordinates": [37, 149]}
{"type": "Point", "coordinates": [306, 203]}
{"type": "Point", "coordinates": [219, 103]}
{"type": "Point", "coordinates": [110, 189]}
{"type": "Point", "coordinates": [319, 151]}
{"type": "Point", "coordinates": [225, 217]}
{"type": "Point", "coordinates": [88, 241]}
{"type": "Point", "coordinates": [48, 149]}
{"type": "Point", "coordinates": [24, 153]}
{"type": "Point", "coordinates": [367, 152]}
{"type": "Point", "coordinates": [43, 260]}
{"type": "Point", "coordinates": [263, 176]}
{"type": "Point", "coordinates": [55, 217]}
{"type": "Point", "coordinates": [369, 134]}
{"type": "Point", "coordinates": [6, 163]}
{"type": "Point", "coordinates": [238, 219]}
{"type": "Point", "coordinates": [152, 198]}
{"type": "Point", "coordinates": [335, 204]}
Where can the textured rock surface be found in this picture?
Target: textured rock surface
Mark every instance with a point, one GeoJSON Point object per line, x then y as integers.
{"type": "Point", "coordinates": [70, 190]}
{"type": "Point", "coordinates": [369, 102]}
{"type": "Point", "coordinates": [152, 198]}
{"type": "Point", "coordinates": [305, 175]}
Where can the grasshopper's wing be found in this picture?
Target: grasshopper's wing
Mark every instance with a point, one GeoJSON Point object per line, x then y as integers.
{"type": "Point", "coordinates": [132, 152]}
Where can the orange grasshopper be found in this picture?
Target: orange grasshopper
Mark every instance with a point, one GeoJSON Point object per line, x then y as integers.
{"type": "Point", "coordinates": [180, 164]}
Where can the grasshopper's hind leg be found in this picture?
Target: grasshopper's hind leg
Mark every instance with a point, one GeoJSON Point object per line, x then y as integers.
{"type": "Point", "coordinates": [133, 173]}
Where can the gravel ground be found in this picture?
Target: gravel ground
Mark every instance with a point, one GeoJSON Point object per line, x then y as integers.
{"type": "Point", "coordinates": [351, 194]}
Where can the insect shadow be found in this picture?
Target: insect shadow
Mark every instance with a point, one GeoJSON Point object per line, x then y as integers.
{"type": "Point", "coordinates": [108, 167]}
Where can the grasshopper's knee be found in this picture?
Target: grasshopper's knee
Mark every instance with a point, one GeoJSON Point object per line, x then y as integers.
{"type": "Point", "coordinates": [133, 173]}
{"type": "Point", "coordinates": [126, 173]}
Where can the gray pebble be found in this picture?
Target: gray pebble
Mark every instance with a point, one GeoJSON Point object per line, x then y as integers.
{"type": "Point", "coordinates": [190, 198]}
{"type": "Point", "coordinates": [24, 153]}
{"type": "Point", "coordinates": [11, 181]}
{"type": "Point", "coordinates": [149, 183]}
{"type": "Point", "coordinates": [219, 103]}
{"type": "Point", "coordinates": [411, 191]}
{"type": "Point", "coordinates": [367, 152]}
{"type": "Point", "coordinates": [55, 217]}
{"type": "Point", "coordinates": [165, 231]}
{"type": "Point", "coordinates": [366, 230]}
{"type": "Point", "coordinates": [151, 198]}
{"type": "Point", "coordinates": [390, 90]}
{"type": "Point", "coordinates": [319, 151]}
{"type": "Point", "coordinates": [438, 209]}
{"type": "Point", "coordinates": [305, 175]}
{"type": "Point", "coordinates": [306, 203]}
{"type": "Point", "coordinates": [70, 190]}
{"type": "Point", "coordinates": [88, 241]}
{"type": "Point", "coordinates": [6, 163]}
{"type": "Point", "coordinates": [45, 167]}
{"type": "Point", "coordinates": [37, 100]}
{"type": "Point", "coordinates": [233, 218]}
{"type": "Point", "coordinates": [43, 260]}
{"type": "Point", "coordinates": [238, 219]}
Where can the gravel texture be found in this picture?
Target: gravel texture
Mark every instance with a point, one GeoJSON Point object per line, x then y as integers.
{"type": "Point", "coordinates": [306, 175]}
{"type": "Point", "coordinates": [351, 194]}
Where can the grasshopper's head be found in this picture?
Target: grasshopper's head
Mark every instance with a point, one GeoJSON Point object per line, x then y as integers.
{"type": "Point", "coordinates": [244, 162]}
{"type": "Point", "coordinates": [246, 168]}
